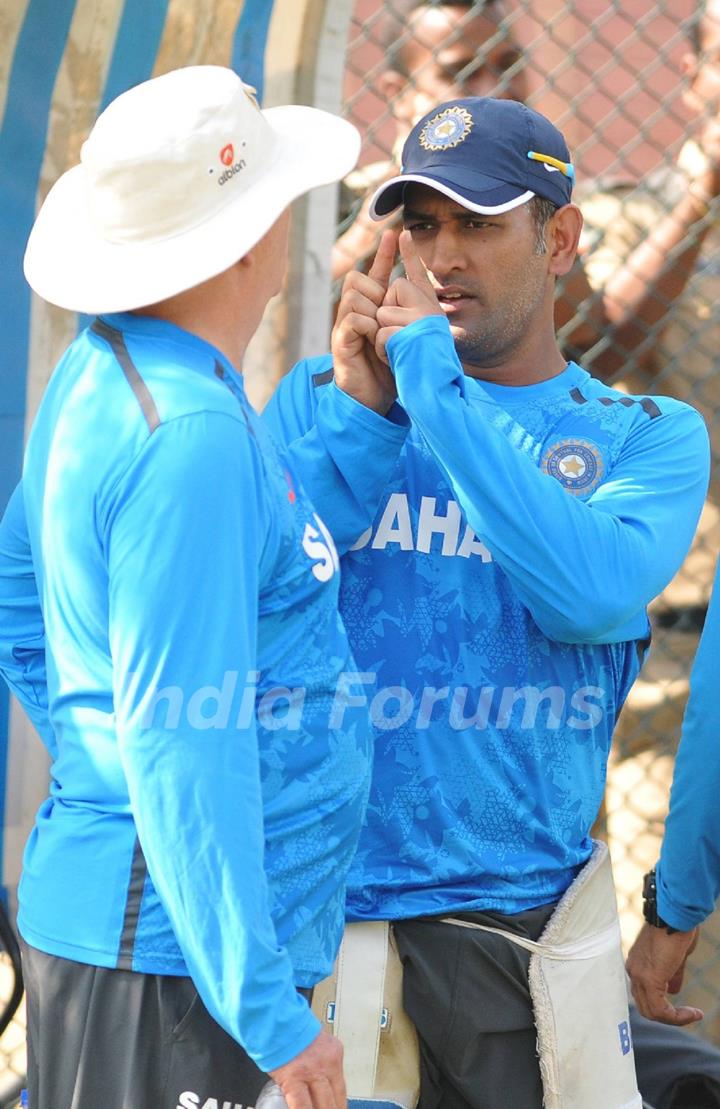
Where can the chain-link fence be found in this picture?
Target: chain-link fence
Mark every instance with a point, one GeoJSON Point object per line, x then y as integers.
{"type": "Point", "coordinates": [635, 88]}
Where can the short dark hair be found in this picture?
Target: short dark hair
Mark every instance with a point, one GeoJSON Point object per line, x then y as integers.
{"type": "Point", "coordinates": [397, 15]}
{"type": "Point", "coordinates": [542, 211]}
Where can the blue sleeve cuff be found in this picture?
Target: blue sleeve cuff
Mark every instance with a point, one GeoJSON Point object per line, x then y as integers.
{"type": "Point", "coordinates": [423, 359]}
{"type": "Point", "coordinates": [393, 427]}
{"type": "Point", "coordinates": [428, 325]}
{"type": "Point", "coordinates": [677, 916]}
{"type": "Point", "coordinates": [309, 1029]}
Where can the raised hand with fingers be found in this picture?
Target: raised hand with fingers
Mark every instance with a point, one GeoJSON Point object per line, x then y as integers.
{"type": "Point", "coordinates": [408, 299]}
{"type": "Point", "coordinates": [358, 370]}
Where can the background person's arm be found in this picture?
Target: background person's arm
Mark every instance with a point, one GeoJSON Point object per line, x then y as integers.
{"type": "Point", "coordinates": [688, 873]}
{"type": "Point", "coordinates": [624, 313]}
{"type": "Point", "coordinates": [656, 966]}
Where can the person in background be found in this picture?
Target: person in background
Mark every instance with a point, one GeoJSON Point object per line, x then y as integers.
{"type": "Point", "coordinates": [681, 891]}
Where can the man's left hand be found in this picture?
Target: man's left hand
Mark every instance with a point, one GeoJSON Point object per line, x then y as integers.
{"type": "Point", "coordinates": [656, 965]}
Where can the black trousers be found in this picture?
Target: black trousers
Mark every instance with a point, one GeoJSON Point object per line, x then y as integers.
{"type": "Point", "coordinates": [675, 1068]}
{"type": "Point", "coordinates": [113, 1039]}
{"type": "Point", "coordinates": [467, 994]}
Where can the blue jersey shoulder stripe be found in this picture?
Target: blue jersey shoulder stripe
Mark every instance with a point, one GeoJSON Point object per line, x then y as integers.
{"type": "Point", "coordinates": [116, 341]}
{"type": "Point", "coordinates": [647, 404]}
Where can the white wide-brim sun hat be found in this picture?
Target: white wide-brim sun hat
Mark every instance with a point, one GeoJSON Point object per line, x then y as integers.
{"type": "Point", "coordinates": [180, 177]}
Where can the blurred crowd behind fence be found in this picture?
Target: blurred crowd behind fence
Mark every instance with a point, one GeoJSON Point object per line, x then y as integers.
{"type": "Point", "coordinates": [634, 86]}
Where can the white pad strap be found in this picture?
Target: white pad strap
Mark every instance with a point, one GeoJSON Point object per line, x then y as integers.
{"type": "Point", "coordinates": [587, 948]}
{"type": "Point", "coordinates": [360, 984]}
{"type": "Point", "coordinates": [577, 984]}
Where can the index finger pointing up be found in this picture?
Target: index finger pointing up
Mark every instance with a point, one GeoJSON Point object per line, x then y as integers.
{"type": "Point", "coordinates": [384, 259]}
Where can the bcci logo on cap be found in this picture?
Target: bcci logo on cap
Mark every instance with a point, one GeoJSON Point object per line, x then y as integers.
{"type": "Point", "coordinates": [576, 463]}
{"type": "Point", "coordinates": [447, 129]}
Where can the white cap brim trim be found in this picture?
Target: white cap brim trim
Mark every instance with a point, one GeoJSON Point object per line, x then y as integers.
{"type": "Point", "coordinates": [69, 264]}
{"type": "Point", "coordinates": [418, 179]}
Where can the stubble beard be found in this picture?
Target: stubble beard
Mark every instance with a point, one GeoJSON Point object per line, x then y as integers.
{"type": "Point", "coordinates": [496, 339]}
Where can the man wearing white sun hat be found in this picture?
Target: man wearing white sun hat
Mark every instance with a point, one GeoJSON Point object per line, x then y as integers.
{"type": "Point", "coordinates": [162, 576]}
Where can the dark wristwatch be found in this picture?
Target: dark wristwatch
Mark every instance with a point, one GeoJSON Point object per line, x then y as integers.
{"type": "Point", "coordinates": [650, 910]}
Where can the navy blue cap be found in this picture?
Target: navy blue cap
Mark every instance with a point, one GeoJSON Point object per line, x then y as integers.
{"type": "Point", "coordinates": [488, 155]}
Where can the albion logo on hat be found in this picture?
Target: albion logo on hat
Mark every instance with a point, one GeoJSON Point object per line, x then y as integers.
{"type": "Point", "coordinates": [227, 157]}
{"type": "Point", "coordinates": [447, 129]}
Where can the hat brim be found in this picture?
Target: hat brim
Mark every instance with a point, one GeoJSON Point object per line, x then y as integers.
{"type": "Point", "coordinates": [488, 196]}
{"type": "Point", "coordinates": [69, 264]}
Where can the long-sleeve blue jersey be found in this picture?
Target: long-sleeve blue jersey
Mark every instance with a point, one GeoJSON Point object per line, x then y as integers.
{"type": "Point", "coordinates": [496, 609]}
{"type": "Point", "coordinates": [688, 874]}
{"type": "Point", "coordinates": [182, 668]}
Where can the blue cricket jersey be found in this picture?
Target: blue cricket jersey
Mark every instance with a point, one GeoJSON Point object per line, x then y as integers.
{"type": "Point", "coordinates": [168, 617]}
{"type": "Point", "coordinates": [688, 874]}
{"type": "Point", "coordinates": [496, 608]}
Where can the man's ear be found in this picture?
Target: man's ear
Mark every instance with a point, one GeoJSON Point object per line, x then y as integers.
{"type": "Point", "coordinates": [563, 235]}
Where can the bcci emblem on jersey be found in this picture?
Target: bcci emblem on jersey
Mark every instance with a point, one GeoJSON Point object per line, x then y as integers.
{"type": "Point", "coordinates": [447, 129]}
{"type": "Point", "coordinates": [576, 463]}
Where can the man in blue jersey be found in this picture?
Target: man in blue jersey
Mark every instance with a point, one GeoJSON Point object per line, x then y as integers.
{"type": "Point", "coordinates": [681, 892]}
{"type": "Point", "coordinates": [168, 618]}
{"type": "Point", "coordinates": [496, 602]}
